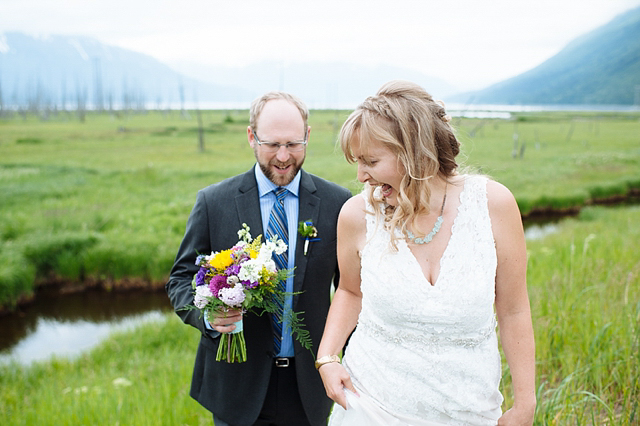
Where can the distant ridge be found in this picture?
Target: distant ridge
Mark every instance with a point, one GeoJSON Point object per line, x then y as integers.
{"type": "Point", "coordinates": [59, 69]}
{"type": "Point", "coordinates": [44, 72]}
{"type": "Point", "coordinates": [600, 67]}
{"type": "Point", "coordinates": [320, 84]}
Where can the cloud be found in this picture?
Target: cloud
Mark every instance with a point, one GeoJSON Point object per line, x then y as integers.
{"type": "Point", "coordinates": [467, 42]}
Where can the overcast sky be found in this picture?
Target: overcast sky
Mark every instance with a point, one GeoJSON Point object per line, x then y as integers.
{"type": "Point", "coordinates": [469, 43]}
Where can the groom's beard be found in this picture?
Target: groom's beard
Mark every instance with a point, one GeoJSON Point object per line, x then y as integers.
{"type": "Point", "coordinates": [280, 180]}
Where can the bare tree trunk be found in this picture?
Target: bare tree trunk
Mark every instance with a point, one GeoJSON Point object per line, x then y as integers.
{"type": "Point", "coordinates": [81, 102]}
{"type": "Point", "coordinates": [200, 131]}
{"type": "Point", "coordinates": [63, 95]}
{"type": "Point", "coordinates": [98, 98]}
{"type": "Point", "coordinates": [182, 110]}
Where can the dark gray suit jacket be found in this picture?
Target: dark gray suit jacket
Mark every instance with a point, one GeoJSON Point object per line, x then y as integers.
{"type": "Point", "coordinates": [235, 392]}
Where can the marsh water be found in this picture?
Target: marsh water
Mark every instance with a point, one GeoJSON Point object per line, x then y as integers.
{"type": "Point", "coordinates": [65, 325]}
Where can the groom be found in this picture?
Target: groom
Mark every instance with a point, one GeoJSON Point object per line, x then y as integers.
{"type": "Point", "coordinates": [278, 384]}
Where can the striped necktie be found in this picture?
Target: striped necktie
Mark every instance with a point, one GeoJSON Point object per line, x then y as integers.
{"type": "Point", "coordinates": [278, 226]}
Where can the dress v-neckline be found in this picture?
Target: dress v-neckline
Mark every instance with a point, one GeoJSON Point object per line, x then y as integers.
{"type": "Point", "coordinates": [404, 243]}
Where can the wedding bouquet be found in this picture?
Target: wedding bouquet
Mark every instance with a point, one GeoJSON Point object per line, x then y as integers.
{"type": "Point", "coordinates": [244, 277]}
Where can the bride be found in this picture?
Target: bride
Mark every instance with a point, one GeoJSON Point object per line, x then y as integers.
{"type": "Point", "coordinates": [425, 256]}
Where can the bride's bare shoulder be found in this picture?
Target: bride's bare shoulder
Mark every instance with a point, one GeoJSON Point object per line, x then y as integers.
{"type": "Point", "coordinates": [353, 211]}
{"type": "Point", "coordinates": [500, 197]}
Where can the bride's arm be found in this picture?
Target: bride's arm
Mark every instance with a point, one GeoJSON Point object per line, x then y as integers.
{"type": "Point", "coordinates": [346, 303]}
{"type": "Point", "coordinates": [512, 303]}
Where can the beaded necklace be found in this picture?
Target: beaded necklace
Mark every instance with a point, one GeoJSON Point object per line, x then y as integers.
{"type": "Point", "coordinates": [436, 227]}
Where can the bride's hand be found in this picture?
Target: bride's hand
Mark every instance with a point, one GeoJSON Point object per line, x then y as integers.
{"type": "Point", "coordinates": [517, 416]}
{"type": "Point", "coordinates": [335, 378]}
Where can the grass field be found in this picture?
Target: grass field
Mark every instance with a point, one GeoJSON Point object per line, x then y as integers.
{"type": "Point", "coordinates": [105, 201]}
{"type": "Point", "coordinates": [585, 296]}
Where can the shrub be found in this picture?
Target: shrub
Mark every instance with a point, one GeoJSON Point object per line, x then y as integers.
{"type": "Point", "coordinates": [17, 276]}
{"type": "Point", "coordinates": [50, 253]}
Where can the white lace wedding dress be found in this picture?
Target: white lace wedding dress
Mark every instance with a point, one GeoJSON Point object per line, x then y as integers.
{"type": "Point", "coordinates": [423, 354]}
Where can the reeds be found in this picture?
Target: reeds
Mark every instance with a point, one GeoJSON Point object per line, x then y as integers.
{"type": "Point", "coordinates": [584, 284]}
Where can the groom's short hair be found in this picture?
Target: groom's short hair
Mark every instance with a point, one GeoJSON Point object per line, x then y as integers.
{"type": "Point", "coordinates": [258, 104]}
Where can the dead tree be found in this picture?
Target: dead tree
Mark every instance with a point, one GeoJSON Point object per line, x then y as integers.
{"type": "Point", "coordinates": [200, 130]}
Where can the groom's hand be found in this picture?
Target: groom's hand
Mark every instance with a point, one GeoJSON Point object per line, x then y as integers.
{"type": "Point", "coordinates": [222, 319]}
{"type": "Point", "coordinates": [335, 379]}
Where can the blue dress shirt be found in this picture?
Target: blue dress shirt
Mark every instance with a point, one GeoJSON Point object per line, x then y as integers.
{"type": "Point", "coordinates": [291, 208]}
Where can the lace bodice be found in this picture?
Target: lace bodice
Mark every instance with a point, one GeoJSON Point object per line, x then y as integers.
{"type": "Point", "coordinates": [430, 352]}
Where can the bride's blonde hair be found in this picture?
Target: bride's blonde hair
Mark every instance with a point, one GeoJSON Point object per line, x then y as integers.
{"type": "Point", "coordinates": [405, 119]}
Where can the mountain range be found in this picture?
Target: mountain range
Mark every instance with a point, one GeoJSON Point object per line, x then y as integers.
{"type": "Point", "coordinates": [600, 67]}
{"type": "Point", "coordinates": [320, 84]}
{"type": "Point", "coordinates": [63, 69]}
{"type": "Point", "coordinates": [56, 69]}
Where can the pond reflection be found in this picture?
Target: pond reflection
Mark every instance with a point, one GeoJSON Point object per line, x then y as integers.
{"type": "Point", "coordinates": [539, 231]}
{"type": "Point", "coordinates": [69, 339]}
{"type": "Point", "coordinates": [68, 324]}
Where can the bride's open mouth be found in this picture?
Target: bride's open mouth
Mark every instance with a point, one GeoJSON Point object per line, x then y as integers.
{"type": "Point", "coordinates": [386, 190]}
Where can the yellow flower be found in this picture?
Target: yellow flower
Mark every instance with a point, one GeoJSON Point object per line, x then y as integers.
{"type": "Point", "coordinates": [266, 280]}
{"type": "Point", "coordinates": [222, 260]}
{"type": "Point", "coordinates": [253, 253]}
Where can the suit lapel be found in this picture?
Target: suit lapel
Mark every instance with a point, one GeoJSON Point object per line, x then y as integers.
{"type": "Point", "coordinates": [248, 204]}
{"type": "Point", "coordinates": [309, 209]}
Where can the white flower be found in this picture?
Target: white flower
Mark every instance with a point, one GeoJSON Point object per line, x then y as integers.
{"type": "Point", "coordinates": [265, 253]}
{"type": "Point", "coordinates": [244, 233]}
{"type": "Point", "coordinates": [232, 296]}
{"type": "Point", "coordinates": [203, 293]}
{"type": "Point", "coordinates": [84, 389]}
{"type": "Point", "coordinates": [281, 247]}
{"type": "Point", "coordinates": [121, 381]}
{"type": "Point", "coordinates": [265, 258]}
{"type": "Point", "coordinates": [232, 280]}
{"type": "Point", "coordinates": [250, 271]}
{"type": "Point", "coordinates": [274, 244]}
{"type": "Point", "coordinates": [270, 265]}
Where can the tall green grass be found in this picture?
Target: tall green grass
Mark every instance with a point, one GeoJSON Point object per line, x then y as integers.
{"type": "Point", "coordinates": [584, 287]}
{"type": "Point", "coordinates": [106, 200]}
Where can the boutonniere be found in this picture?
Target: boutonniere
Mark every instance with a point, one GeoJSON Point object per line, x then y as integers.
{"type": "Point", "coordinates": [309, 232]}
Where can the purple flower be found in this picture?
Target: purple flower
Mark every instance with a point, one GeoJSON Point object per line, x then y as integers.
{"type": "Point", "coordinates": [217, 282]}
{"type": "Point", "coordinates": [199, 259]}
{"type": "Point", "coordinates": [200, 276]}
{"type": "Point", "coordinates": [233, 270]}
{"type": "Point", "coordinates": [249, 284]}
{"type": "Point", "coordinates": [239, 256]}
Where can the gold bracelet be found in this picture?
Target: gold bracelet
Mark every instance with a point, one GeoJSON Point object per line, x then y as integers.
{"type": "Point", "coordinates": [327, 359]}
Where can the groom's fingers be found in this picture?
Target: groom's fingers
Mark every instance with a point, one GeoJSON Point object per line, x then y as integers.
{"type": "Point", "coordinates": [225, 328]}
{"type": "Point", "coordinates": [222, 321]}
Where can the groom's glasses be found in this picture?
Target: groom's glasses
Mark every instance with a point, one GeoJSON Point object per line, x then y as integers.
{"type": "Point", "coordinates": [273, 147]}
